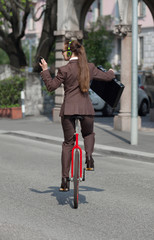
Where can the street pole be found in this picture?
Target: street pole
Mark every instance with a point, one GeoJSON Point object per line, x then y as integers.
{"type": "Point", "coordinates": [134, 84]}
{"type": "Point", "coordinates": [23, 103]}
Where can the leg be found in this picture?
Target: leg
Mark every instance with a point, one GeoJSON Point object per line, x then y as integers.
{"type": "Point", "coordinates": [89, 139]}
{"type": "Point", "coordinates": [87, 125]}
{"type": "Point", "coordinates": [68, 126]}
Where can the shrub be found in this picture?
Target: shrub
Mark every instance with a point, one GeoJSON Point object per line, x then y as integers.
{"type": "Point", "coordinates": [99, 43]}
{"type": "Point", "coordinates": [10, 90]}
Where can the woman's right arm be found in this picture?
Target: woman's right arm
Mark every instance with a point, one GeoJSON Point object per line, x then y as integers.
{"type": "Point", "coordinates": [51, 83]}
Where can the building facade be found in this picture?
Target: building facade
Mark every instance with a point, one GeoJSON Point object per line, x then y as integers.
{"type": "Point", "coordinates": [104, 8]}
{"type": "Point", "coordinates": [70, 25]}
{"type": "Point", "coordinates": [145, 37]}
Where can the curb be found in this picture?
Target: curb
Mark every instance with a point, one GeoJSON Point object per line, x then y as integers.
{"type": "Point", "coordinates": [104, 149]}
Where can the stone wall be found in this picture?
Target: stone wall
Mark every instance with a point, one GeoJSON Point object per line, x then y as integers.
{"type": "Point", "coordinates": [6, 71]}
{"type": "Point", "coordinates": [37, 101]}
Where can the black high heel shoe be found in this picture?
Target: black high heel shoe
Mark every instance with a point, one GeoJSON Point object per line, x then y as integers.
{"type": "Point", "coordinates": [90, 163]}
{"type": "Point", "coordinates": [65, 185]}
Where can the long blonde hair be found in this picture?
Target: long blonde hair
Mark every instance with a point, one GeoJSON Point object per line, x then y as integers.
{"type": "Point", "coordinates": [83, 76]}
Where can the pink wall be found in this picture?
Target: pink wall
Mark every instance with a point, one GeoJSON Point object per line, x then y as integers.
{"type": "Point", "coordinates": [108, 7]}
{"type": "Point", "coordinates": [38, 25]}
{"type": "Point", "coordinates": [148, 20]}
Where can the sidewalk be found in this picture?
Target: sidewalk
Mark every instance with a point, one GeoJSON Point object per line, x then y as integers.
{"type": "Point", "coordinates": [108, 140]}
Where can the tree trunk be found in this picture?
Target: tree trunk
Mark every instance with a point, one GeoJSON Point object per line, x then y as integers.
{"type": "Point", "coordinates": [47, 37]}
{"type": "Point", "coordinates": [15, 52]}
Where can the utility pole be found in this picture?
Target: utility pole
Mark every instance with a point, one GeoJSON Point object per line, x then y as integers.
{"type": "Point", "coordinates": [134, 84]}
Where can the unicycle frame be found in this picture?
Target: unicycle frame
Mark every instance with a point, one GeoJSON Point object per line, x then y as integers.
{"type": "Point", "coordinates": [76, 147]}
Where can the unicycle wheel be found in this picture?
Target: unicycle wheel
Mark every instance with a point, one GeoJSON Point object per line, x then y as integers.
{"type": "Point", "coordinates": [76, 179]}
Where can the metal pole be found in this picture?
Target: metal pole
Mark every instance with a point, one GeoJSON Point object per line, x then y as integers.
{"type": "Point", "coordinates": [30, 53]}
{"type": "Point", "coordinates": [134, 84]}
{"type": "Point", "coordinates": [23, 103]}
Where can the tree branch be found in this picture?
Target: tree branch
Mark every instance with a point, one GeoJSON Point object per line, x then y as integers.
{"type": "Point", "coordinates": [19, 5]}
{"type": "Point", "coordinates": [24, 19]}
{"type": "Point", "coordinates": [2, 45]}
{"type": "Point", "coordinates": [5, 14]}
{"type": "Point", "coordinates": [8, 6]}
{"type": "Point", "coordinates": [34, 15]}
{"type": "Point", "coordinates": [2, 33]}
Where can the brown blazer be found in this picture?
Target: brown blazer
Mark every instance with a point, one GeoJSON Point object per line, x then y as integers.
{"type": "Point", "coordinates": [75, 102]}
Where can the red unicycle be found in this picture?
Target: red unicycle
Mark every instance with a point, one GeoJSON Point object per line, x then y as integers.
{"type": "Point", "coordinates": [77, 174]}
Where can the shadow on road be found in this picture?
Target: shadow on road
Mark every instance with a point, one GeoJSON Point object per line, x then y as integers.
{"type": "Point", "coordinates": [65, 198]}
{"type": "Point", "coordinates": [115, 135]}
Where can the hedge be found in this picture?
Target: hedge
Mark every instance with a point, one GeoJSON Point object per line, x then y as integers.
{"type": "Point", "coordinates": [10, 91]}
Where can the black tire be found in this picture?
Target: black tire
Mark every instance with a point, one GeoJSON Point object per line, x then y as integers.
{"type": "Point", "coordinates": [143, 108]}
{"type": "Point", "coordinates": [76, 179]}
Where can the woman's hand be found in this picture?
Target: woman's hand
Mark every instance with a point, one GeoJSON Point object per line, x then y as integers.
{"type": "Point", "coordinates": [43, 64]}
{"type": "Point", "coordinates": [111, 70]}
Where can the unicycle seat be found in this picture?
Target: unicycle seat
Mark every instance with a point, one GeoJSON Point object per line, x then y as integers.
{"type": "Point", "coordinates": [79, 117]}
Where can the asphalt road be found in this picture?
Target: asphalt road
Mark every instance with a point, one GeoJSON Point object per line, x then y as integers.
{"type": "Point", "coordinates": [116, 201]}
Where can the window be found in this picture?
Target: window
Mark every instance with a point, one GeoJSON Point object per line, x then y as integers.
{"type": "Point", "coordinates": [119, 48]}
{"type": "Point", "coordinates": [31, 23]}
{"type": "Point", "coordinates": [141, 9]}
{"type": "Point", "coordinates": [141, 50]}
